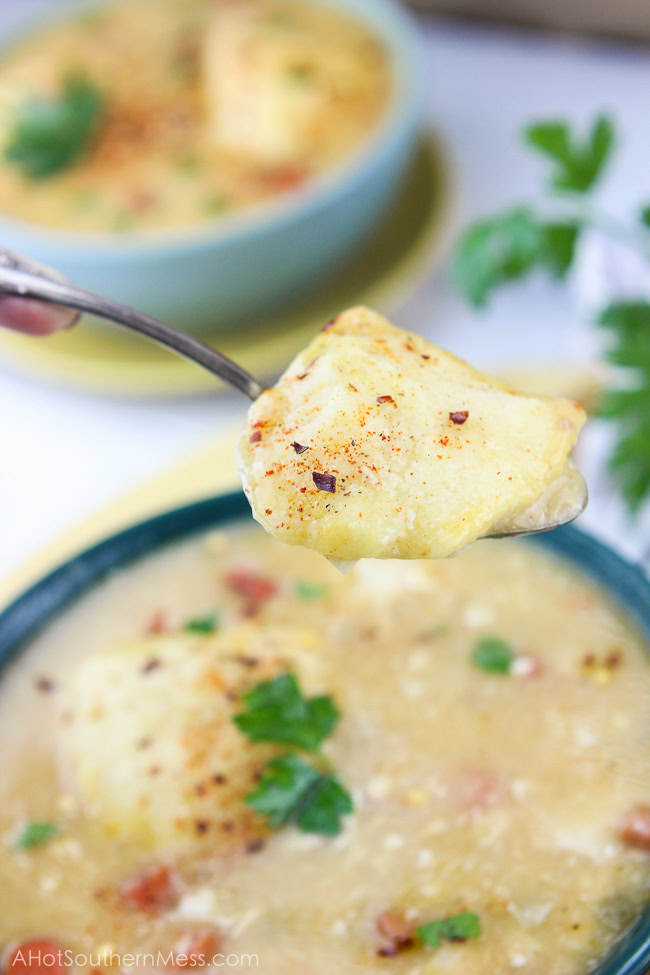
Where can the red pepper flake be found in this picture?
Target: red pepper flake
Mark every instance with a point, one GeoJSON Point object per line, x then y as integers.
{"type": "Point", "coordinates": [459, 417]}
{"type": "Point", "coordinates": [255, 436]}
{"type": "Point", "coordinates": [298, 447]}
{"type": "Point", "coordinates": [256, 845]}
{"type": "Point", "coordinates": [310, 366]}
{"type": "Point", "coordinates": [326, 327]}
{"type": "Point", "coordinates": [150, 665]}
{"type": "Point", "coordinates": [152, 892]}
{"type": "Point", "coordinates": [268, 511]}
{"type": "Point", "coordinates": [385, 399]}
{"type": "Point", "coordinates": [324, 482]}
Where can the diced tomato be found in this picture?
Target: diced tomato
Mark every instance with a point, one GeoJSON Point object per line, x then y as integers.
{"type": "Point", "coordinates": [255, 589]}
{"type": "Point", "coordinates": [396, 931]}
{"type": "Point", "coordinates": [199, 950]}
{"type": "Point", "coordinates": [158, 623]}
{"type": "Point", "coordinates": [285, 177]}
{"type": "Point", "coordinates": [38, 957]}
{"type": "Point", "coordinates": [635, 828]}
{"type": "Point", "coordinates": [477, 789]}
{"type": "Point", "coordinates": [152, 891]}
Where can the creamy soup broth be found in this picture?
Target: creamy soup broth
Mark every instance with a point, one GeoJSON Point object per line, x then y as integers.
{"type": "Point", "coordinates": [500, 794]}
{"type": "Point", "coordinates": [210, 106]}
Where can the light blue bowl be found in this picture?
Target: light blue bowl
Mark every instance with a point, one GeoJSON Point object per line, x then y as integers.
{"type": "Point", "coordinates": [236, 267]}
{"type": "Point", "coordinates": [40, 605]}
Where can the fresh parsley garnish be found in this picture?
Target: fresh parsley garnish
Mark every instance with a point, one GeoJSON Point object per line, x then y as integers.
{"type": "Point", "coordinates": [460, 927]}
{"type": "Point", "coordinates": [35, 833]}
{"type": "Point", "coordinates": [202, 624]}
{"type": "Point", "coordinates": [629, 407]}
{"type": "Point", "coordinates": [278, 712]}
{"type": "Point", "coordinates": [50, 134]}
{"type": "Point", "coordinates": [578, 162]}
{"type": "Point", "coordinates": [511, 245]}
{"type": "Point", "coordinates": [291, 790]}
{"type": "Point", "coordinates": [493, 655]}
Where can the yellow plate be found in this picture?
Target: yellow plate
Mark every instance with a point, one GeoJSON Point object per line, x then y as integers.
{"type": "Point", "coordinates": [104, 359]}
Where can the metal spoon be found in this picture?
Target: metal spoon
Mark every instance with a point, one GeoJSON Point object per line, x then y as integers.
{"type": "Point", "coordinates": [23, 278]}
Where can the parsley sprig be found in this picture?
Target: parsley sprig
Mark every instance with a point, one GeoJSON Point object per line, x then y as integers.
{"type": "Point", "coordinates": [511, 245]}
{"type": "Point", "coordinates": [50, 134]}
{"type": "Point", "coordinates": [292, 789]}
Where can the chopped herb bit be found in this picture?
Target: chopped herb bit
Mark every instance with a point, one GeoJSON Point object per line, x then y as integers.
{"type": "Point", "coordinates": [493, 655]}
{"type": "Point", "coordinates": [324, 482]}
{"type": "Point", "coordinates": [299, 72]}
{"type": "Point", "coordinates": [298, 447]}
{"type": "Point", "coordinates": [122, 221]}
{"type": "Point", "coordinates": [310, 590]}
{"type": "Point", "coordinates": [214, 204]}
{"type": "Point", "coordinates": [278, 712]}
{"type": "Point", "coordinates": [292, 790]}
{"type": "Point", "coordinates": [460, 927]}
{"type": "Point", "coordinates": [644, 215]}
{"type": "Point", "coordinates": [188, 162]}
{"type": "Point", "coordinates": [49, 135]}
{"type": "Point", "coordinates": [36, 833]}
{"type": "Point", "coordinates": [459, 417]}
{"type": "Point", "coordinates": [202, 624]}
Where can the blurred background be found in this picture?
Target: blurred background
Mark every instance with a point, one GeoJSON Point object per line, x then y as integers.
{"type": "Point", "coordinates": [475, 169]}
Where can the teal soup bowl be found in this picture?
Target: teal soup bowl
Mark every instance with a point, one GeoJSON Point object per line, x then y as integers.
{"type": "Point", "coordinates": [40, 605]}
{"type": "Point", "coordinates": [239, 266]}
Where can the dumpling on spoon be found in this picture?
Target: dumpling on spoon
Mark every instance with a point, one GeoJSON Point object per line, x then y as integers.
{"type": "Point", "coordinates": [377, 444]}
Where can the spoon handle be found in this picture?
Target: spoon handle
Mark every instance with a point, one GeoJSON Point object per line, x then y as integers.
{"type": "Point", "coordinates": [27, 284]}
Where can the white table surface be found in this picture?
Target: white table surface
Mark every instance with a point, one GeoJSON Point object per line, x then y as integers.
{"type": "Point", "coordinates": [65, 454]}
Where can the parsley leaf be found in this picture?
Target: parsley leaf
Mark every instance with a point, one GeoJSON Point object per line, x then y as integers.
{"type": "Point", "coordinates": [493, 655]}
{"type": "Point", "coordinates": [36, 833]}
{"type": "Point", "coordinates": [644, 215]}
{"type": "Point", "coordinates": [49, 135]}
{"type": "Point", "coordinates": [578, 164]}
{"type": "Point", "coordinates": [495, 250]}
{"type": "Point", "coordinates": [202, 624]}
{"type": "Point", "coordinates": [629, 323]}
{"type": "Point", "coordinates": [460, 927]}
{"type": "Point", "coordinates": [278, 712]}
{"type": "Point", "coordinates": [559, 246]}
{"type": "Point", "coordinates": [310, 590]}
{"type": "Point", "coordinates": [292, 790]}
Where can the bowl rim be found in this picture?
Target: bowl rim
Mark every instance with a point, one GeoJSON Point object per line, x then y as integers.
{"type": "Point", "coordinates": [38, 606]}
{"type": "Point", "coordinates": [395, 128]}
